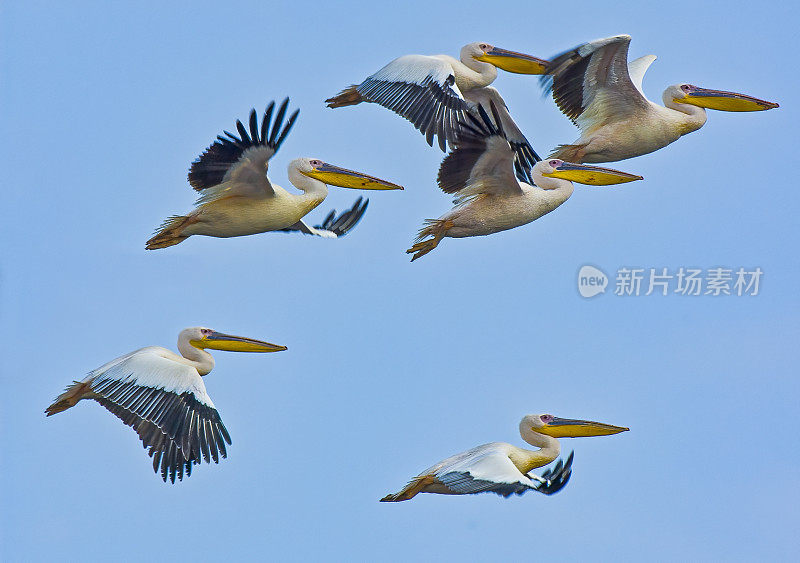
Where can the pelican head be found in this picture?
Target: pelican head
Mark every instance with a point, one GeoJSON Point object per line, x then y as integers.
{"type": "Point", "coordinates": [715, 99]}
{"type": "Point", "coordinates": [201, 337]}
{"type": "Point", "coordinates": [510, 61]}
{"type": "Point", "coordinates": [342, 177]}
{"type": "Point", "coordinates": [566, 427]}
{"type": "Point", "coordinates": [582, 173]}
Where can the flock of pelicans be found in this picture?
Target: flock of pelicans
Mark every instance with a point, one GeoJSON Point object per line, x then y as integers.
{"type": "Point", "coordinates": [499, 182]}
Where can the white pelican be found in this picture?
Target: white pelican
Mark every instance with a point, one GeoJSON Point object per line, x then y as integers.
{"type": "Point", "coordinates": [239, 199]}
{"type": "Point", "coordinates": [162, 397]}
{"type": "Point", "coordinates": [596, 87]}
{"type": "Point", "coordinates": [435, 92]}
{"type": "Point", "coordinates": [488, 196]}
{"type": "Point", "coordinates": [505, 469]}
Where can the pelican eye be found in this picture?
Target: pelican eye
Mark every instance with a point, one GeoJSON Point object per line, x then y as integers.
{"type": "Point", "coordinates": [546, 418]}
{"type": "Point", "coordinates": [686, 87]}
{"type": "Point", "coordinates": [554, 163]}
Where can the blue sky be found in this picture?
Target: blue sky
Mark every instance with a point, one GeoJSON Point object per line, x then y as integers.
{"type": "Point", "coordinates": [393, 366]}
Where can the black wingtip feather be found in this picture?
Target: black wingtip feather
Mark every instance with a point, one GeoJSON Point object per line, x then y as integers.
{"type": "Point", "coordinates": [278, 122]}
{"type": "Point", "coordinates": [497, 121]}
{"type": "Point", "coordinates": [243, 133]}
{"type": "Point", "coordinates": [265, 121]}
{"type": "Point", "coordinates": [254, 126]}
{"type": "Point", "coordinates": [286, 129]}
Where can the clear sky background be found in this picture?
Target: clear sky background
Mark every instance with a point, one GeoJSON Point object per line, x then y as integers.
{"type": "Point", "coordinates": [393, 366]}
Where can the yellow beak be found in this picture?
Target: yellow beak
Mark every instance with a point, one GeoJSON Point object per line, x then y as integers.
{"type": "Point", "coordinates": [724, 101]}
{"type": "Point", "coordinates": [592, 175]}
{"type": "Point", "coordinates": [569, 428]}
{"type": "Point", "coordinates": [511, 61]}
{"type": "Point", "coordinates": [220, 341]}
{"type": "Point", "coordinates": [344, 178]}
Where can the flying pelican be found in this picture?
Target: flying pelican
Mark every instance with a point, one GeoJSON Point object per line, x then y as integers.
{"type": "Point", "coordinates": [162, 397]}
{"type": "Point", "coordinates": [239, 199]}
{"type": "Point", "coordinates": [435, 92]}
{"type": "Point", "coordinates": [596, 87]}
{"type": "Point", "coordinates": [505, 469]}
{"type": "Point", "coordinates": [488, 196]}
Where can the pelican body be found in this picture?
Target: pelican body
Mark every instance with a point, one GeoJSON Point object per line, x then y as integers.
{"type": "Point", "coordinates": [161, 395]}
{"type": "Point", "coordinates": [596, 87]}
{"type": "Point", "coordinates": [435, 92]}
{"type": "Point", "coordinates": [238, 199]}
{"type": "Point", "coordinates": [505, 469]}
{"type": "Point", "coordinates": [489, 198]}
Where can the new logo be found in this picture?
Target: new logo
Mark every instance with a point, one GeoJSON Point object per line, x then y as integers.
{"type": "Point", "coordinates": [591, 281]}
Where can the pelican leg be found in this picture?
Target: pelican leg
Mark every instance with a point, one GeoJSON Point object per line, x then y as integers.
{"type": "Point", "coordinates": [570, 153]}
{"type": "Point", "coordinates": [416, 486]}
{"type": "Point", "coordinates": [171, 232]}
{"type": "Point", "coordinates": [70, 397]}
{"type": "Point", "coordinates": [436, 228]}
{"type": "Point", "coordinates": [350, 96]}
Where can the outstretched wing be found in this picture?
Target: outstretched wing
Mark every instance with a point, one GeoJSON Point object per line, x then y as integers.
{"type": "Point", "coordinates": [483, 160]}
{"type": "Point", "coordinates": [591, 84]}
{"type": "Point", "coordinates": [241, 161]}
{"type": "Point", "coordinates": [421, 89]}
{"type": "Point", "coordinates": [526, 157]}
{"type": "Point", "coordinates": [166, 403]}
{"type": "Point", "coordinates": [333, 226]}
{"type": "Point", "coordinates": [486, 468]}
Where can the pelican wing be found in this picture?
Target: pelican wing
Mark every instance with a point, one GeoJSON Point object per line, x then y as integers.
{"type": "Point", "coordinates": [166, 403]}
{"type": "Point", "coordinates": [591, 84]}
{"type": "Point", "coordinates": [555, 478]}
{"type": "Point", "coordinates": [333, 226]}
{"type": "Point", "coordinates": [486, 468]}
{"type": "Point", "coordinates": [526, 157]}
{"type": "Point", "coordinates": [237, 165]}
{"type": "Point", "coordinates": [421, 89]}
{"type": "Point", "coordinates": [482, 162]}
